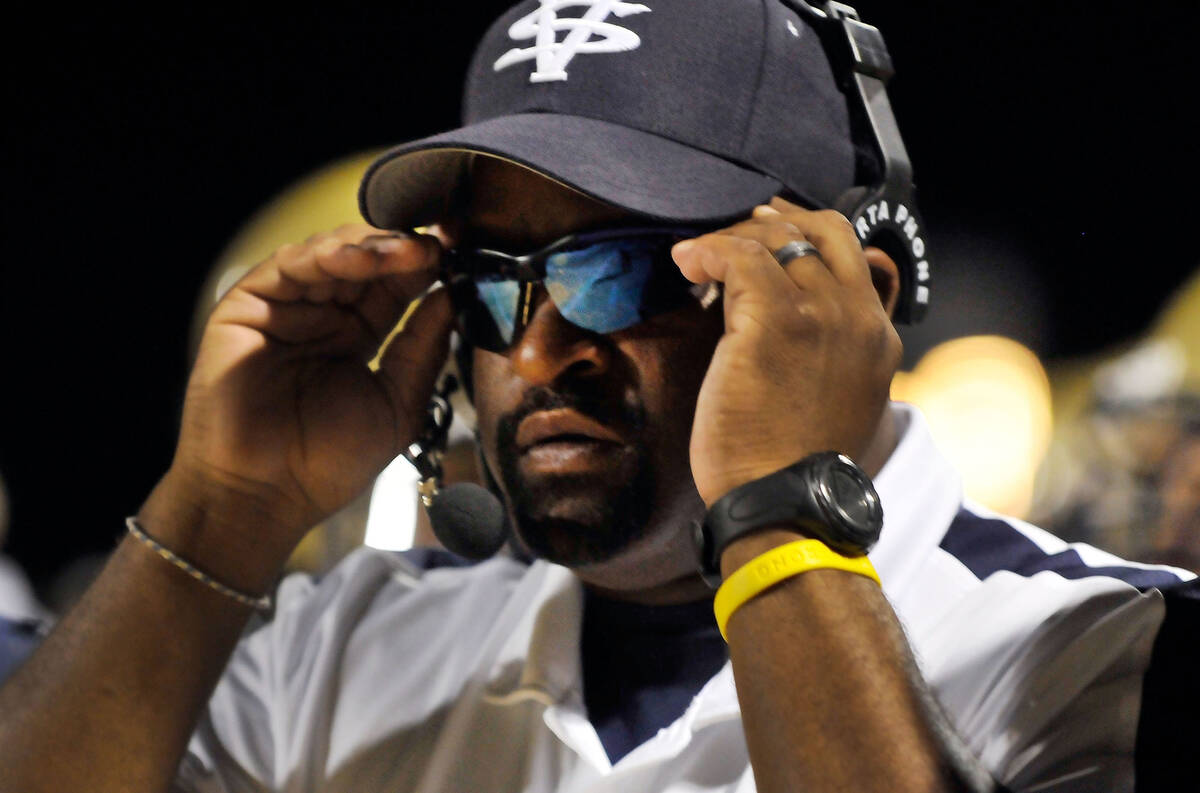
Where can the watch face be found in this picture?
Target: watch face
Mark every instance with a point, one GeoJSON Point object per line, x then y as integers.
{"type": "Point", "coordinates": [851, 500]}
{"type": "Point", "coordinates": [847, 493]}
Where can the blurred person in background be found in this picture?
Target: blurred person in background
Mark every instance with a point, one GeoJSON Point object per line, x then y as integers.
{"type": "Point", "coordinates": [1123, 476]}
{"type": "Point", "coordinates": [984, 655]}
{"type": "Point", "coordinates": [1122, 472]}
{"type": "Point", "coordinates": [1175, 536]}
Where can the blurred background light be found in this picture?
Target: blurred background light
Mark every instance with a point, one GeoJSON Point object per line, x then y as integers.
{"type": "Point", "coordinates": [987, 401]}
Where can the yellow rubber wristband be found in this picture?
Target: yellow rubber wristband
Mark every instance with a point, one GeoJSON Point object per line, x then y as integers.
{"type": "Point", "coordinates": [780, 564]}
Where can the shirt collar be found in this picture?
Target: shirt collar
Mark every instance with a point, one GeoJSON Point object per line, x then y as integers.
{"type": "Point", "coordinates": [921, 492]}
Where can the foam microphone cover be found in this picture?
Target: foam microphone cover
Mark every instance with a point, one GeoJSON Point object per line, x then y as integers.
{"type": "Point", "coordinates": [468, 520]}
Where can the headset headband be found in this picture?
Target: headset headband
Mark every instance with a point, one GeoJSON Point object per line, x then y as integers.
{"type": "Point", "coordinates": [884, 214]}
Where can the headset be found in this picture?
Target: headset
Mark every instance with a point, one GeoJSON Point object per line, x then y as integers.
{"type": "Point", "coordinates": [884, 214]}
{"type": "Point", "coordinates": [470, 520]}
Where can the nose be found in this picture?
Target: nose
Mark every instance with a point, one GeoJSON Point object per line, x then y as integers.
{"type": "Point", "coordinates": [549, 347]}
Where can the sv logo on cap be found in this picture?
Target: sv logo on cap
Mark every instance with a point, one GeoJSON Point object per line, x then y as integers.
{"type": "Point", "coordinates": [543, 24]}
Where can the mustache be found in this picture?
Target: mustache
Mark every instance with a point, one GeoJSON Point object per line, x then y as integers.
{"type": "Point", "coordinates": [626, 414]}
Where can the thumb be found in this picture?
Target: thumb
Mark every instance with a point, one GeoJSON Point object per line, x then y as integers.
{"type": "Point", "coordinates": [409, 365]}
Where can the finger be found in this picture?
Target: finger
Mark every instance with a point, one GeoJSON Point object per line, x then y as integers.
{"type": "Point", "coordinates": [321, 244]}
{"type": "Point", "coordinates": [709, 257]}
{"type": "Point", "coordinates": [401, 268]}
{"type": "Point", "coordinates": [381, 302]}
{"type": "Point", "coordinates": [755, 284]}
{"type": "Point", "coordinates": [366, 279]}
{"type": "Point", "coordinates": [294, 322]}
{"type": "Point", "coordinates": [774, 232]}
{"type": "Point", "coordinates": [382, 241]}
{"type": "Point", "coordinates": [348, 264]}
{"type": "Point", "coordinates": [688, 257]}
{"type": "Point", "coordinates": [313, 270]}
{"type": "Point", "coordinates": [706, 257]}
{"type": "Point", "coordinates": [352, 232]}
{"type": "Point", "coordinates": [414, 357]}
{"type": "Point", "coordinates": [381, 306]}
{"type": "Point", "coordinates": [833, 235]}
{"type": "Point", "coordinates": [349, 292]}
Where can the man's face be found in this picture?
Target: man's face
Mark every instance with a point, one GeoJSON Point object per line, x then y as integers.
{"type": "Point", "coordinates": [588, 434]}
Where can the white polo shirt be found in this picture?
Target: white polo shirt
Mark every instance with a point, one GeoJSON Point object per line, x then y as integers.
{"type": "Point", "coordinates": [384, 678]}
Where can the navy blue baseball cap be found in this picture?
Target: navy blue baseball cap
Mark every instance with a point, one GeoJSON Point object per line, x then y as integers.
{"type": "Point", "coordinates": [687, 111]}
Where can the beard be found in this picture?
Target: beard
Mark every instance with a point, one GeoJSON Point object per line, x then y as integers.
{"type": "Point", "coordinates": [579, 519]}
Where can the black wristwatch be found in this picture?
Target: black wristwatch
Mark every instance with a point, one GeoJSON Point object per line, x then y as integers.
{"type": "Point", "coordinates": [826, 496]}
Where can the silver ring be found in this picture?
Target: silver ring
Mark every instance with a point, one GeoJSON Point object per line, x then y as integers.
{"type": "Point", "coordinates": [794, 250]}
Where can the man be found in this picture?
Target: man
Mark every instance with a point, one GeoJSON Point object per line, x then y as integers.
{"type": "Point", "coordinates": [610, 428]}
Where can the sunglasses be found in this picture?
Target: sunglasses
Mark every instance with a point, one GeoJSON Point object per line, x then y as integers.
{"type": "Point", "coordinates": [601, 281]}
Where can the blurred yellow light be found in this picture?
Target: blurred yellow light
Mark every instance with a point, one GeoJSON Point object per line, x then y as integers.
{"type": "Point", "coordinates": [987, 401]}
{"type": "Point", "coordinates": [1180, 321]}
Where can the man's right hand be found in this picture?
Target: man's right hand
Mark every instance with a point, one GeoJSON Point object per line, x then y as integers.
{"type": "Point", "coordinates": [283, 421]}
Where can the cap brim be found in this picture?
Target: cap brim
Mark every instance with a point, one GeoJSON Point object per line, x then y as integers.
{"type": "Point", "coordinates": [415, 183]}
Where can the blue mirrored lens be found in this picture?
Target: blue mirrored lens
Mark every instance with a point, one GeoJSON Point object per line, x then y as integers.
{"type": "Point", "coordinates": [500, 298]}
{"type": "Point", "coordinates": [601, 288]}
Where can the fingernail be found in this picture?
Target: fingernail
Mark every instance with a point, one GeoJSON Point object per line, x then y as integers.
{"type": "Point", "coordinates": [763, 209]}
{"type": "Point", "coordinates": [390, 245]}
{"type": "Point", "coordinates": [683, 248]}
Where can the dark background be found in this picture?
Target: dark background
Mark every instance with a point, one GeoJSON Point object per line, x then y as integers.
{"type": "Point", "coordinates": [1053, 144]}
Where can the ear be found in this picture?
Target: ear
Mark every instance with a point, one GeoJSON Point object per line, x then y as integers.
{"type": "Point", "coordinates": [885, 276]}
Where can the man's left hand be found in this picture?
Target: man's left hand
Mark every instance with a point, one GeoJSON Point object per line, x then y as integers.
{"type": "Point", "coordinates": [808, 354]}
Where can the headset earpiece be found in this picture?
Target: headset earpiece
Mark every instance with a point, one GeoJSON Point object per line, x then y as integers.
{"type": "Point", "coordinates": [891, 223]}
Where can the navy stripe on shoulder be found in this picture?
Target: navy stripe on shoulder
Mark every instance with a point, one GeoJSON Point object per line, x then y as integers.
{"type": "Point", "coordinates": [1164, 755]}
{"type": "Point", "coordinates": [989, 545]}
